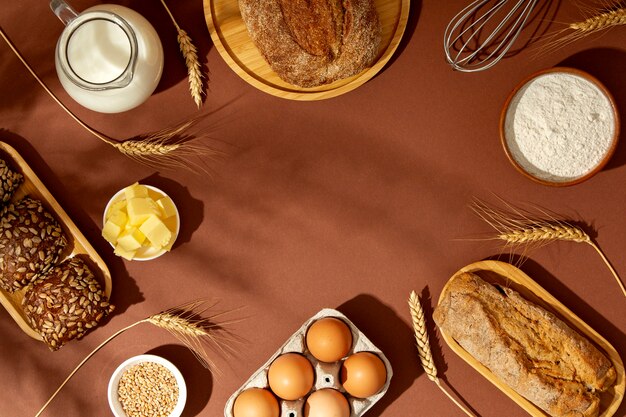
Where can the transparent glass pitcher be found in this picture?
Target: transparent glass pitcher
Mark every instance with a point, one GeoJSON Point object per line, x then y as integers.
{"type": "Point", "coordinates": [108, 58]}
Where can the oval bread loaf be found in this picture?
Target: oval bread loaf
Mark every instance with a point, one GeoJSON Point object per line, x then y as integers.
{"type": "Point", "coordinates": [527, 347]}
{"type": "Point", "coordinates": [314, 42]}
{"type": "Point", "coordinates": [65, 303]}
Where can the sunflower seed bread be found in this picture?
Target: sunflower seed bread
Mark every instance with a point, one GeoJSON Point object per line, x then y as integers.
{"type": "Point", "coordinates": [9, 181]}
{"type": "Point", "coordinates": [31, 241]}
{"type": "Point", "coordinates": [314, 42]}
{"type": "Point", "coordinates": [65, 303]}
{"type": "Point", "coordinates": [525, 346]}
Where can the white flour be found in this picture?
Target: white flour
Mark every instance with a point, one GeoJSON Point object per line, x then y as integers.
{"type": "Point", "coordinates": [559, 126]}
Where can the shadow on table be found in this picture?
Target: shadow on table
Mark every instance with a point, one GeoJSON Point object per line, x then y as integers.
{"type": "Point", "coordinates": [607, 65]}
{"type": "Point", "coordinates": [393, 337]}
{"type": "Point", "coordinates": [125, 291]}
{"type": "Point", "coordinates": [411, 24]}
{"type": "Point", "coordinates": [191, 210]}
{"type": "Point", "coordinates": [198, 379]}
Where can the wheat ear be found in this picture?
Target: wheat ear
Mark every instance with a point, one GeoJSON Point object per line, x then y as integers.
{"type": "Point", "coordinates": [190, 53]}
{"type": "Point", "coordinates": [517, 228]}
{"type": "Point", "coordinates": [601, 21]}
{"type": "Point", "coordinates": [423, 348]}
{"type": "Point", "coordinates": [187, 324]}
{"type": "Point", "coordinates": [598, 21]}
{"type": "Point", "coordinates": [170, 148]}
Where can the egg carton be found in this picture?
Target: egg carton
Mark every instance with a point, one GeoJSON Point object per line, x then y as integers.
{"type": "Point", "coordinates": [327, 375]}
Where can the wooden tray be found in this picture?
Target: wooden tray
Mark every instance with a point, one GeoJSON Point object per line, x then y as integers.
{"type": "Point", "coordinates": [510, 276]}
{"type": "Point", "coordinates": [232, 41]}
{"type": "Point", "coordinates": [78, 244]}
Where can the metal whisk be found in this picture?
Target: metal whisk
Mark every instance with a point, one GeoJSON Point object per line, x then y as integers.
{"type": "Point", "coordinates": [481, 35]}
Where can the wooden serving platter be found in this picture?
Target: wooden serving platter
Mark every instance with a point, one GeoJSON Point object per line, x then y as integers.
{"type": "Point", "coordinates": [78, 245]}
{"type": "Point", "coordinates": [230, 36]}
{"type": "Point", "coordinates": [508, 275]}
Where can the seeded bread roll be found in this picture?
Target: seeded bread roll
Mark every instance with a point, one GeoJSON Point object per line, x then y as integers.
{"type": "Point", "coordinates": [65, 303]}
{"type": "Point", "coordinates": [9, 181]}
{"type": "Point", "coordinates": [31, 240]}
{"type": "Point", "coordinates": [527, 347]}
{"type": "Point", "coordinates": [314, 42]}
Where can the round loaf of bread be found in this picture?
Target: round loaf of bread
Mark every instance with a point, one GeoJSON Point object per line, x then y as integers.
{"type": "Point", "coordinates": [65, 303]}
{"type": "Point", "coordinates": [31, 240]}
{"type": "Point", "coordinates": [9, 181]}
{"type": "Point", "coordinates": [314, 42]}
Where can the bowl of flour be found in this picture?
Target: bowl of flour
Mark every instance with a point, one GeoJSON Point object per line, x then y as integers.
{"type": "Point", "coordinates": [559, 126]}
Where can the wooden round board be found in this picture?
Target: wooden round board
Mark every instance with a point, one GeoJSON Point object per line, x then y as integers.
{"type": "Point", "coordinates": [230, 36]}
{"type": "Point", "coordinates": [507, 275]}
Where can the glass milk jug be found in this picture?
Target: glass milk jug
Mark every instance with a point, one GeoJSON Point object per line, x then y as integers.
{"type": "Point", "coordinates": [108, 58]}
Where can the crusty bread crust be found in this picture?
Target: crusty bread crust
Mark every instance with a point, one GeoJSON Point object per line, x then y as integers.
{"type": "Point", "coordinates": [314, 42]}
{"type": "Point", "coordinates": [527, 347]}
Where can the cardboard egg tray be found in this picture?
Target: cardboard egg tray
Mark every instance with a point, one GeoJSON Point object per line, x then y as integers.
{"type": "Point", "coordinates": [327, 375]}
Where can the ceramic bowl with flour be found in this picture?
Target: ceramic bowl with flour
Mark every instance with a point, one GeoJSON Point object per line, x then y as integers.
{"type": "Point", "coordinates": [559, 126]}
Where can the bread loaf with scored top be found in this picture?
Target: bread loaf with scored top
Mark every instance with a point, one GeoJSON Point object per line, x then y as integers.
{"type": "Point", "coordinates": [314, 42]}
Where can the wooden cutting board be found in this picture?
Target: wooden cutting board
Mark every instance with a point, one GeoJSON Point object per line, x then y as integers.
{"type": "Point", "coordinates": [509, 276]}
{"type": "Point", "coordinates": [231, 39]}
{"type": "Point", "coordinates": [78, 243]}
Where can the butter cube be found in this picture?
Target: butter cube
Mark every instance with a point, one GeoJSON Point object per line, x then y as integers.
{"type": "Point", "coordinates": [136, 191]}
{"type": "Point", "coordinates": [129, 255]}
{"type": "Point", "coordinates": [170, 222]}
{"type": "Point", "coordinates": [156, 232]}
{"type": "Point", "coordinates": [140, 209]}
{"type": "Point", "coordinates": [111, 231]}
{"type": "Point", "coordinates": [131, 239]}
{"type": "Point", "coordinates": [119, 218]}
{"type": "Point", "coordinates": [116, 207]}
{"type": "Point", "coordinates": [167, 207]}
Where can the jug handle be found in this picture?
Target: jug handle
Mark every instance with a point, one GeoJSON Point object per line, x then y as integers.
{"type": "Point", "coordinates": [63, 11]}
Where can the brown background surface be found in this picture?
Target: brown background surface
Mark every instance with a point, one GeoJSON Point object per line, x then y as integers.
{"type": "Point", "coordinates": [347, 203]}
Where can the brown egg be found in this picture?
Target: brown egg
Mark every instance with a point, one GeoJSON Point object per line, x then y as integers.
{"type": "Point", "coordinates": [326, 403]}
{"type": "Point", "coordinates": [291, 376]}
{"type": "Point", "coordinates": [256, 402]}
{"type": "Point", "coordinates": [363, 374]}
{"type": "Point", "coordinates": [329, 339]}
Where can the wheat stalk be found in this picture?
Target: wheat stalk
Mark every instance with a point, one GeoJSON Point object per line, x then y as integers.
{"type": "Point", "coordinates": [421, 337]}
{"type": "Point", "coordinates": [169, 148]}
{"type": "Point", "coordinates": [187, 324]}
{"type": "Point", "coordinates": [518, 228]}
{"type": "Point", "coordinates": [601, 21]}
{"type": "Point", "coordinates": [597, 21]}
{"type": "Point", "coordinates": [195, 331]}
{"type": "Point", "coordinates": [190, 53]}
{"type": "Point", "coordinates": [423, 347]}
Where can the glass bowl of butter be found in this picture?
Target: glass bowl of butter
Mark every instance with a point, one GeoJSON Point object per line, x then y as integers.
{"type": "Point", "coordinates": [141, 222]}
